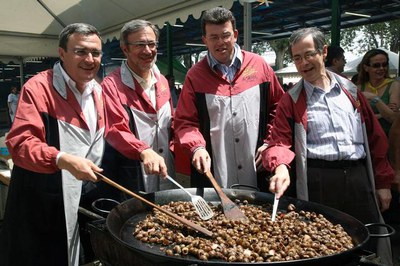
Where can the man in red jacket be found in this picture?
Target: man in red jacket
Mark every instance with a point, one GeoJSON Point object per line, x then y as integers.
{"type": "Point", "coordinates": [226, 107]}
{"type": "Point", "coordinates": [327, 133]}
{"type": "Point", "coordinates": [138, 114]}
{"type": "Point", "coordinates": [56, 143]}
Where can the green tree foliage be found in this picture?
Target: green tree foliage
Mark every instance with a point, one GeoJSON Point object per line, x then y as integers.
{"type": "Point", "coordinates": [259, 47]}
{"type": "Point", "coordinates": [280, 47]}
{"type": "Point", "coordinates": [385, 35]}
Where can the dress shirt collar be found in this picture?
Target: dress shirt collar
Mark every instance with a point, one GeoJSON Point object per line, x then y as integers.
{"type": "Point", "coordinates": [128, 75]}
{"type": "Point", "coordinates": [310, 89]}
{"type": "Point", "coordinates": [72, 84]}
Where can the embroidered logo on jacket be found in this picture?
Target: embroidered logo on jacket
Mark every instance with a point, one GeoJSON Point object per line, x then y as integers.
{"type": "Point", "coordinates": [162, 91]}
{"type": "Point", "coordinates": [249, 74]}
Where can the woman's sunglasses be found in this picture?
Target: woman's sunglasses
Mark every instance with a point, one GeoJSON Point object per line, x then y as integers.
{"type": "Point", "coordinates": [379, 65]}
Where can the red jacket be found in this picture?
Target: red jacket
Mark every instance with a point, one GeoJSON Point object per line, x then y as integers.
{"type": "Point", "coordinates": [228, 118]}
{"type": "Point", "coordinates": [292, 113]}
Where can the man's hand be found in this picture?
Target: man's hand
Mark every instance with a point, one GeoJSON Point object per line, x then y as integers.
{"type": "Point", "coordinates": [279, 182]}
{"type": "Point", "coordinates": [201, 161]}
{"type": "Point", "coordinates": [384, 197]}
{"type": "Point", "coordinates": [258, 158]}
{"type": "Point", "coordinates": [79, 167]}
{"type": "Point", "coordinates": [153, 163]}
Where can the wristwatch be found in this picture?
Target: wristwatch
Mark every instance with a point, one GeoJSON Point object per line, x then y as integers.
{"type": "Point", "coordinates": [375, 100]}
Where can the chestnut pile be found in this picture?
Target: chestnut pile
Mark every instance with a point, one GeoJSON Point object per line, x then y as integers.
{"type": "Point", "coordinates": [293, 235]}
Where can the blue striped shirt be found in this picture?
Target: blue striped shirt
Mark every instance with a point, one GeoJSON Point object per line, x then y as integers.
{"type": "Point", "coordinates": [228, 71]}
{"type": "Point", "coordinates": [334, 130]}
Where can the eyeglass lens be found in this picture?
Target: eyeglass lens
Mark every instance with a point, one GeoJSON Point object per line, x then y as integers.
{"type": "Point", "coordinates": [307, 56]}
{"type": "Point", "coordinates": [142, 45]}
{"type": "Point", "coordinates": [379, 65]}
{"type": "Point", "coordinates": [84, 52]}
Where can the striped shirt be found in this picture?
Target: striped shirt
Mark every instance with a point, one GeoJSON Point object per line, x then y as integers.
{"type": "Point", "coordinates": [334, 129]}
{"type": "Point", "coordinates": [228, 71]}
{"type": "Point", "coordinates": [149, 88]}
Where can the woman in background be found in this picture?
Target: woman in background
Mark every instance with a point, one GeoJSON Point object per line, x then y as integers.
{"type": "Point", "coordinates": [382, 91]}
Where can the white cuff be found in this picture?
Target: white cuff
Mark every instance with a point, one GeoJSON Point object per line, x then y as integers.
{"type": "Point", "coordinates": [58, 156]}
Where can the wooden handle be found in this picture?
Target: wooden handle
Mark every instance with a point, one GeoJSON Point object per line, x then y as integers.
{"type": "Point", "coordinates": [224, 198]}
{"type": "Point", "coordinates": [171, 214]}
{"type": "Point", "coordinates": [231, 211]}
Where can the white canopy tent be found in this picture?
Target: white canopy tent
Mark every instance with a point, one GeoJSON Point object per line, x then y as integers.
{"type": "Point", "coordinates": [30, 28]}
{"type": "Point", "coordinates": [287, 72]}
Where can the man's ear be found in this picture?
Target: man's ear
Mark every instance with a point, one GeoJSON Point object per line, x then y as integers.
{"type": "Point", "coordinates": [124, 49]}
{"type": "Point", "coordinates": [324, 52]}
{"type": "Point", "coordinates": [61, 53]}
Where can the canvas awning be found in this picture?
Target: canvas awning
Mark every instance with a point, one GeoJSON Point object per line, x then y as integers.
{"type": "Point", "coordinates": [30, 28]}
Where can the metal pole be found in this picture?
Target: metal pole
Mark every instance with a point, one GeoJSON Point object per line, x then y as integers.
{"type": "Point", "coordinates": [335, 33]}
{"type": "Point", "coordinates": [247, 26]}
{"type": "Point", "coordinates": [52, 13]}
{"type": "Point", "coordinates": [169, 50]}
{"type": "Point", "coordinates": [21, 72]}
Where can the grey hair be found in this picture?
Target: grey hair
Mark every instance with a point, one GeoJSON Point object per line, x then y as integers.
{"type": "Point", "coordinates": [300, 34]}
{"type": "Point", "coordinates": [80, 28]}
{"type": "Point", "coordinates": [135, 26]}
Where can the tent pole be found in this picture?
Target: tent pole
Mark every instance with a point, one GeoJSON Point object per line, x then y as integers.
{"type": "Point", "coordinates": [335, 33]}
{"type": "Point", "coordinates": [247, 26]}
{"type": "Point", "coordinates": [169, 50]}
{"type": "Point", "coordinates": [51, 13]}
{"type": "Point", "coordinates": [21, 72]}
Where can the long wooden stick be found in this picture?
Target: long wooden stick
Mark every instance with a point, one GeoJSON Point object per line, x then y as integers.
{"type": "Point", "coordinates": [171, 214]}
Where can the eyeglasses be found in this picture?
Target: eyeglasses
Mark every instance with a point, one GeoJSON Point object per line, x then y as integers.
{"type": "Point", "coordinates": [142, 45]}
{"type": "Point", "coordinates": [85, 52]}
{"type": "Point", "coordinates": [378, 65]}
{"type": "Point", "coordinates": [307, 56]}
{"type": "Point", "coordinates": [225, 37]}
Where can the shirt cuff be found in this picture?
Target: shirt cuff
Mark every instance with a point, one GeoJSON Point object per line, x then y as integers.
{"type": "Point", "coordinates": [196, 149]}
{"type": "Point", "coordinates": [58, 156]}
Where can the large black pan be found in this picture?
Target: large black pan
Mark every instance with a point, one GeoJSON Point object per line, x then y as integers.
{"type": "Point", "coordinates": [122, 220]}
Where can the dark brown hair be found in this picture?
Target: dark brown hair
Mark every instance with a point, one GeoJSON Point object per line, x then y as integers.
{"type": "Point", "coordinates": [363, 75]}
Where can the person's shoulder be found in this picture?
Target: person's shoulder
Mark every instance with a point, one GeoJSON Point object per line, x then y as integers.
{"type": "Point", "coordinates": [253, 59]}
{"type": "Point", "coordinates": [396, 83]}
{"type": "Point", "coordinates": [253, 56]}
{"type": "Point", "coordinates": [44, 77]}
{"type": "Point", "coordinates": [198, 67]}
{"type": "Point", "coordinates": [39, 84]}
{"type": "Point", "coordinates": [344, 81]}
{"type": "Point", "coordinates": [162, 78]}
{"type": "Point", "coordinates": [112, 76]}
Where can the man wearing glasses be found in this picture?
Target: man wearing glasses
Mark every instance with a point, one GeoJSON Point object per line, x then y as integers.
{"type": "Point", "coordinates": [226, 106]}
{"type": "Point", "coordinates": [56, 142]}
{"type": "Point", "coordinates": [138, 114]}
{"type": "Point", "coordinates": [326, 132]}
